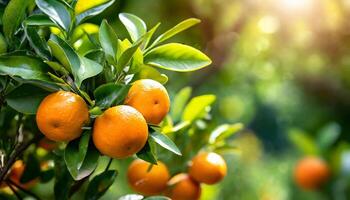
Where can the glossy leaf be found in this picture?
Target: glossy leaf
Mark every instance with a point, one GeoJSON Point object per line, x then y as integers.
{"type": "Point", "coordinates": [26, 98]}
{"type": "Point", "coordinates": [165, 142]}
{"type": "Point", "coordinates": [110, 94]}
{"type": "Point", "coordinates": [148, 36]}
{"type": "Point", "coordinates": [93, 11]}
{"type": "Point", "coordinates": [131, 197]}
{"type": "Point", "coordinates": [127, 55]}
{"type": "Point", "coordinates": [100, 184]}
{"type": "Point", "coordinates": [108, 40]}
{"type": "Point", "coordinates": [175, 30]}
{"type": "Point", "coordinates": [157, 198]}
{"type": "Point", "coordinates": [87, 69]}
{"type": "Point", "coordinates": [196, 107]}
{"type": "Point", "coordinates": [147, 72]}
{"type": "Point", "coordinates": [134, 25]}
{"type": "Point", "coordinates": [38, 20]}
{"type": "Point", "coordinates": [39, 45]}
{"type": "Point", "coordinates": [25, 67]}
{"type": "Point", "coordinates": [63, 180]}
{"type": "Point", "coordinates": [81, 157]}
{"type": "Point", "coordinates": [146, 154]}
{"type": "Point", "coordinates": [224, 131]}
{"type": "Point", "coordinates": [177, 57]}
{"type": "Point", "coordinates": [14, 13]}
{"type": "Point", "coordinates": [179, 103]}
{"type": "Point", "coordinates": [57, 11]}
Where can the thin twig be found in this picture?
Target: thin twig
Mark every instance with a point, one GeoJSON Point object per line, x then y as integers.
{"type": "Point", "coordinates": [14, 191]}
{"type": "Point", "coordinates": [22, 189]}
{"type": "Point", "coordinates": [109, 163]}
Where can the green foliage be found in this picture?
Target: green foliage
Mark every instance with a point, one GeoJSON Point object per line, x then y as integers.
{"type": "Point", "coordinates": [100, 184]}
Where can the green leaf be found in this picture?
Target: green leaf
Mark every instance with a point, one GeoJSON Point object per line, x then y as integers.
{"type": "Point", "coordinates": [26, 98]}
{"type": "Point", "coordinates": [100, 184]}
{"type": "Point", "coordinates": [149, 34]}
{"type": "Point", "coordinates": [14, 13]}
{"type": "Point", "coordinates": [303, 142]}
{"type": "Point", "coordinates": [177, 57]}
{"type": "Point", "coordinates": [147, 72]}
{"type": "Point", "coordinates": [179, 103]}
{"type": "Point", "coordinates": [328, 135]}
{"type": "Point", "coordinates": [157, 198]}
{"type": "Point", "coordinates": [57, 67]}
{"type": "Point", "coordinates": [134, 25]}
{"type": "Point", "coordinates": [31, 170]}
{"type": "Point", "coordinates": [39, 45]}
{"type": "Point", "coordinates": [127, 55]}
{"type": "Point", "coordinates": [25, 67]}
{"type": "Point", "coordinates": [109, 41]}
{"type": "Point", "coordinates": [195, 109]}
{"type": "Point", "coordinates": [175, 30]}
{"type": "Point", "coordinates": [146, 154]}
{"type": "Point", "coordinates": [93, 11]}
{"type": "Point", "coordinates": [87, 69]}
{"type": "Point", "coordinates": [63, 180]}
{"type": "Point", "coordinates": [81, 157]}
{"type": "Point", "coordinates": [110, 94]}
{"type": "Point", "coordinates": [57, 11]}
{"type": "Point", "coordinates": [165, 142]}
{"type": "Point", "coordinates": [39, 20]}
{"type": "Point", "coordinates": [65, 54]}
{"type": "Point", "coordinates": [224, 131]}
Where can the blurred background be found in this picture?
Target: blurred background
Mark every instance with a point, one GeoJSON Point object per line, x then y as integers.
{"type": "Point", "coordinates": [281, 67]}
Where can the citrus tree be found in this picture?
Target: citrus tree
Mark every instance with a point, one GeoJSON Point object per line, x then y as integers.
{"type": "Point", "coordinates": [73, 92]}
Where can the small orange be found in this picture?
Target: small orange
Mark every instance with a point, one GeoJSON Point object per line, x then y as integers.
{"type": "Point", "coordinates": [183, 187]}
{"type": "Point", "coordinates": [61, 116]}
{"type": "Point", "coordinates": [16, 173]}
{"type": "Point", "coordinates": [120, 132]}
{"type": "Point", "coordinates": [150, 98]}
{"type": "Point", "coordinates": [208, 168]}
{"type": "Point", "coordinates": [147, 179]}
{"type": "Point", "coordinates": [311, 172]}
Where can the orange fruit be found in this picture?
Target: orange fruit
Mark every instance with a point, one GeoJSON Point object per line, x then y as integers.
{"type": "Point", "coordinates": [208, 168]}
{"type": "Point", "coordinates": [47, 144]}
{"type": "Point", "coordinates": [311, 173]}
{"type": "Point", "coordinates": [147, 179]}
{"type": "Point", "coordinates": [61, 116]}
{"type": "Point", "coordinates": [16, 173]}
{"type": "Point", "coordinates": [150, 98]}
{"type": "Point", "coordinates": [120, 132]}
{"type": "Point", "coordinates": [183, 187]}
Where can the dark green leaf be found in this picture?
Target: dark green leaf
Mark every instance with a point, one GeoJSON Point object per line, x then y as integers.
{"type": "Point", "coordinates": [177, 57]}
{"type": "Point", "coordinates": [47, 175]}
{"type": "Point", "coordinates": [39, 45]}
{"type": "Point", "coordinates": [25, 67]}
{"type": "Point", "coordinates": [57, 11]}
{"type": "Point", "coordinates": [26, 98]}
{"type": "Point", "coordinates": [110, 94]}
{"type": "Point", "coordinates": [93, 11]}
{"type": "Point", "coordinates": [39, 20]}
{"type": "Point", "coordinates": [134, 25]}
{"type": "Point", "coordinates": [109, 41]}
{"type": "Point", "coordinates": [175, 30]}
{"type": "Point", "coordinates": [63, 180]}
{"type": "Point", "coordinates": [81, 157]}
{"type": "Point", "coordinates": [14, 13]}
{"type": "Point", "coordinates": [87, 69]}
{"type": "Point", "coordinates": [165, 142]}
{"type": "Point", "coordinates": [100, 184]}
{"type": "Point", "coordinates": [146, 154]}
{"type": "Point", "coordinates": [31, 170]}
